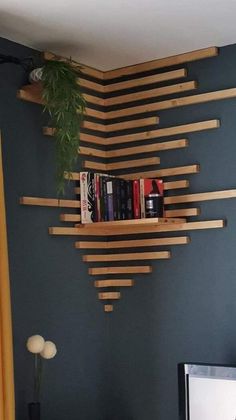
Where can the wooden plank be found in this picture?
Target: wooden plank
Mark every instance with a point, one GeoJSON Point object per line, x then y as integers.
{"type": "Point", "coordinates": [148, 94]}
{"type": "Point", "coordinates": [174, 185]}
{"type": "Point", "coordinates": [108, 308]}
{"type": "Point", "coordinates": [190, 198]}
{"type": "Point", "coordinates": [124, 125]}
{"type": "Point", "coordinates": [147, 80]}
{"type": "Point", "coordinates": [84, 69]}
{"type": "Point", "coordinates": [114, 283]}
{"type": "Point", "coordinates": [88, 151]}
{"type": "Point", "coordinates": [70, 217]}
{"type": "Point", "coordinates": [182, 240]}
{"type": "Point", "coordinates": [138, 229]}
{"type": "Point", "coordinates": [162, 62]}
{"type": "Point", "coordinates": [174, 103]}
{"type": "Point", "coordinates": [129, 151]}
{"type": "Point", "coordinates": [96, 100]}
{"type": "Point", "coordinates": [182, 212]}
{"type": "Point", "coordinates": [109, 295]}
{"type": "Point", "coordinates": [159, 255]}
{"type": "Point", "coordinates": [77, 190]}
{"type": "Point", "coordinates": [97, 87]}
{"type": "Point", "coordinates": [165, 132]}
{"type": "Point", "coordinates": [179, 170]}
{"type": "Point", "coordinates": [49, 202]}
{"type": "Point", "coordinates": [141, 269]}
{"type": "Point", "coordinates": [131, 222]}
{"type": "Point", "coordinates": [89, 138]}
{"type": "Point", "coordinates": [121, 165]}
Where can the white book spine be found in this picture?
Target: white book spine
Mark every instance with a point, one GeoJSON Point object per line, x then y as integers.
{"type": "Point", "coordinates": [84, 196]}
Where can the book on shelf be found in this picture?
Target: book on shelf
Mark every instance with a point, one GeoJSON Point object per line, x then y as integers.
{"type": "Point", "coordinates": [106, 198]}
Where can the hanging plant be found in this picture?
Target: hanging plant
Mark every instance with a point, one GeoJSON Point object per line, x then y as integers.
{"type": "Point", "coordinates": [65, 104]}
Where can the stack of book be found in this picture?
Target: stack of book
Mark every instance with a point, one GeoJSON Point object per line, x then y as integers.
{"type": "Point", "coordinates": [105, 198]}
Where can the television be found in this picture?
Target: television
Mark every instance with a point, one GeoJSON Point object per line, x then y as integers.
{"type": "Point", "coordinates": [207, 392]}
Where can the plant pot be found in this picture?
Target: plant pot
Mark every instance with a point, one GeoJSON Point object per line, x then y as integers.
{"type": "Point", "coordinates": [34, 411]}
{"type": "Point", "coordinates": [36, 75]}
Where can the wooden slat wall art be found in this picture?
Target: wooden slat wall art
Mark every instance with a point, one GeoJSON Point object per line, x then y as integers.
{"type": "Point", "coordinates": [105, 135]}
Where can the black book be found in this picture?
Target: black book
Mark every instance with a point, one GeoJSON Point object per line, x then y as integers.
{"type": "Point", "coordinates": [129, 200]}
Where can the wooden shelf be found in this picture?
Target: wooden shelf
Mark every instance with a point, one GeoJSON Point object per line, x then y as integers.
{"type": "Point", "coordinates": [114, 283]}
{"type": "Point", "coordinates": [161, 255]}
{"type": "Point", "coordinates": [109, 295]}
{"type": "Point", "coordinates": [181, 240]}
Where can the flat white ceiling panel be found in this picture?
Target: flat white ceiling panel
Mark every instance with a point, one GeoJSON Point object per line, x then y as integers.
{"type": "Point", "coordinates": [108, 34]}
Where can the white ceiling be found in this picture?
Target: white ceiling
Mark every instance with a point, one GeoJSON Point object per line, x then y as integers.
{"type": "Point", "coordinates": [108, 34]}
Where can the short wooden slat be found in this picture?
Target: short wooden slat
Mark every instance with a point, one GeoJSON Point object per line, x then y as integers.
{"type": "Point", "coordinates": [141, 269]}
{"type": "Point", "coordinates": [108, 308]}
{"type": "Point", "coordinates": [88, 71]}
{"type": "Point", "coordinates": [147, 80]}
{"type": "Point", "coordinates": [190, 198]}
{"type": "Point", "coordinates": [182, 240]}
{"type": "Point", "coordinates": [114, 283]}
{"type": "Point", "coordinates": [165, 132]}
{"type": "Point", "coordinates": [157, 147]}
{"type": "Point", "coordinates": [70, 217]}
{"type": "Point", "coordinates": [122, 165]}
{"type": "Point", "coordinates": [49, 202]}
{"type": "Point", "coordinates": [180, 170]}
{"type": "Point", "coordinates": [159, 255]}
{"type": "Point", "coordinates": [109, 295]}
{"type": "Point", "coordinates": [151, 93]}
{"type": "Point", "coordinates": [174, 185]}
{"type": "Point", "coordinates": [131, 230]}
{"type": "Point", "coordinates": [182, 212]}
{"type": "Point", "coordinates": [77, 190]}
{"type": "Point", "coordinates": [174, 103]}
{"type": "Point", "coordinates": [162, 62]}
{"type": "Point", "coordinates": [124, 125]}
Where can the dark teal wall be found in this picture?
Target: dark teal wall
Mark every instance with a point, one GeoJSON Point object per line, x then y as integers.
{"type": "Point", "coordinates": [51, 291]}
{"type": "Point", "coordinates": [185, 310]}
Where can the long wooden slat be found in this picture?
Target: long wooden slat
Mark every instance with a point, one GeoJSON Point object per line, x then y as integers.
{"type": "Point", "coordinates": [70, 217]}
{"type": "Point", "coordinates": [147, 80]}
{"type": "Point", "coordinates": [96, 100]}
{"type": "Point", "coordinates": [159, 255]}
{"type": "Point", "coordinates": [148, 94]}
{"type": "Point", "coordinates": [181, 240]}
{"type": "Point", "coordinates": [114, 283]}
{"type": "Point", "coordinates": [141, 269]}
{"type": "Point", "coordinates": [132, 222]}
{"type": "Point", "coordinates": [112, 231]}
{"type": "Point", "coordinates": [174, 103]}
{"type": "Point", "coordinates": [109, 295]}
{"type": "Point", "coordinates": [157, 147]}
{"type": "Point", "coordinates": [49, 202]}
{"type": "Point", "coordinates": [108, 308]}
{"type": "Point", "coordinates": [165, 132]}
{"type": "Point", "coordinates": [174, 185]}
{"type": "Point", "coordinates": [182, 212]}
{"type": "Point", "coordinates": [87, 70]}
{"type": "Point", "coordinates": [179, 170]}
{"type": "Point", "coordinates": [122, 165]}
{"type": "Point", "coordinates": [190, 198]}
{"type": "Point", "coordinates": [162, 62]}
{"type": "Point", "coordinates": [124, 125]}
{"type": "Point", "coordinates": [88, 151]}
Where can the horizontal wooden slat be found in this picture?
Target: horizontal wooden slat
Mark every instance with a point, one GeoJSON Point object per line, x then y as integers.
{"type": "Point", "coordinates": [182, 240]}
{"type": "Point", "coordinates": [88, 71]}
{"type": "Point", "coordinates": [157, 147]}
{"type": "Point", "coordinates": [162, 62]}
{"type": "Point", "coordinates": [159, 255]}
{"type": "Point", "coordinates": [96, 100]}
{"type": "Point", "coordinates": [108, 308]}
{"type": "Point", "coordinates": [114, 283]}
{"type": "Point", "coordinates": [131, 230]}
{"type": "Point", "coordinates": [148, 94]}
{"type": "Point", "coordinates": [141, 269]}
{"type": "Point", "coordinates": [70, 217]}
{"type": "Point", "coordinates": [179, 170]}
{"type": "Point", "coordinates": [49, 202]}
{"type": "Point", "coordinates": [109, 295]}
{"type": "Point", "coordinates": [124, 125]}
{"type": "Point", "coordinates": [174, 185]}
{"type": "Point", "coordinates": [147, 80]}
{"type": "Point", "coordinates": [165, 132]}
{"type": "Point", "coordinates": [190, 198]}
{"type": "Point", "coordinates": [132, 222]}
{"type": "Point", "coordinates": [88, 151]}
{"type": "Point", "coordinates": [89, 138]}
{"type": "Point", "coordinates": [97, 87]}
{"type": "Point", "coordinates": [182, 212]}
{"type": "Point", "coordinates": [77, 190]}
{"type": "Point", "coordinates": [174, 103]}
{"type": "Point", "coordinates": [122, 165]}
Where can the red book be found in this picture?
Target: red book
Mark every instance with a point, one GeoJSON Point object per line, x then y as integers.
{"type": "Point", "coordinates": [153, 186]}
{"type": "Point", "coordinates": [136, 199]}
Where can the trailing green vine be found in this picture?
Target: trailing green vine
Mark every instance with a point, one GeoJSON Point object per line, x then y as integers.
{"type": "Point", "coordinates": [64, 101]}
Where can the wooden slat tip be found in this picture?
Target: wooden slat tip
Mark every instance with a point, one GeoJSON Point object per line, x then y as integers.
{"type": "Point", "coordinates": [108, 308]}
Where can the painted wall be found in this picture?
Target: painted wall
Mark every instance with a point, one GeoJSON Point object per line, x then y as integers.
{"type": "Point", "coordinates": [51, 292]}
{"type": "Point", "coordinates": [185, 310]}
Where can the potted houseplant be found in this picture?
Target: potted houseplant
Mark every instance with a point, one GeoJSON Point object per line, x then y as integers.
{"type": "Point", "coordinates": [65, 104]}
{"type": "Point", "coordinates": [42, 350]}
